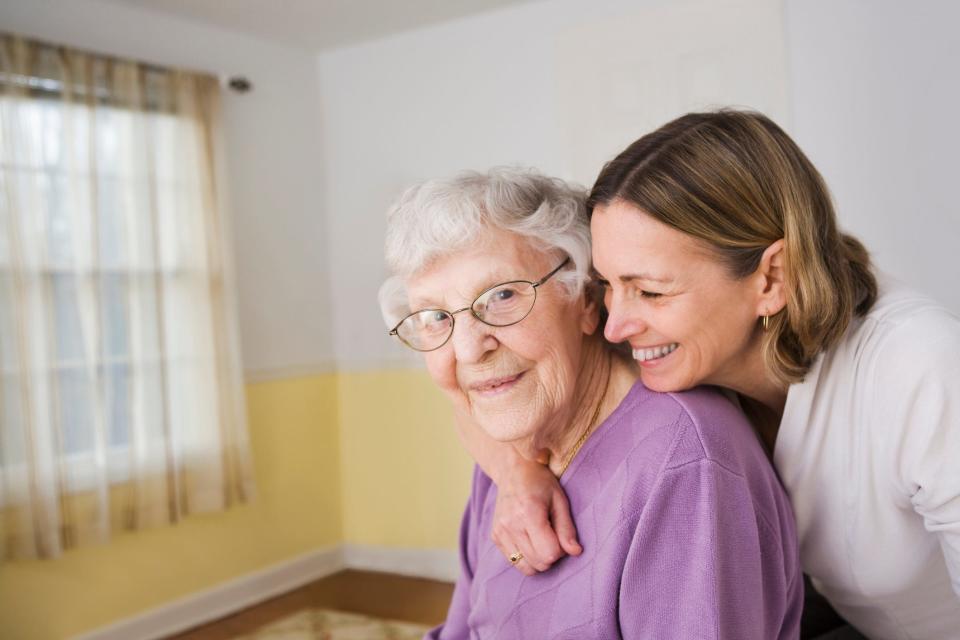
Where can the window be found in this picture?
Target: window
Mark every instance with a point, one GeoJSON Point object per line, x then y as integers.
{"type": "Point", "coordinates": [118, 363]}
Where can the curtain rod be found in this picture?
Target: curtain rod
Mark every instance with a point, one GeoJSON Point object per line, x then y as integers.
{"type": "Point", "coordinates": [236, 83]}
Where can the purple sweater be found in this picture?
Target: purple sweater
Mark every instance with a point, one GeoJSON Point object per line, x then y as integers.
{"type": "Point", "coordinates": [686, 533]}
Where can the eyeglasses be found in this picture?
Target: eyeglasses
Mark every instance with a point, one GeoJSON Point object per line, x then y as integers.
{"type": "Point", "coordinates": [501, 305]}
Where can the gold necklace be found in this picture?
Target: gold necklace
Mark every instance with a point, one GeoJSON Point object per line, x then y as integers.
{"type": "Point", "coordinates": [590, 425]}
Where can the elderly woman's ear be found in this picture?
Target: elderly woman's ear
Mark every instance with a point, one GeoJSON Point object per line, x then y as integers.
{"type": "Point", "coordinates": [589, 314]}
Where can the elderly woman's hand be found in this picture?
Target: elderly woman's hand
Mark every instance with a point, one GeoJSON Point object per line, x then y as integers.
{"type": "Point", "coordinates": [533, 517]}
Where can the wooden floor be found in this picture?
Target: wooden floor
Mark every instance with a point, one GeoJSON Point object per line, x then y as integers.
{"type": "Point", "coordinates": [377, 594]}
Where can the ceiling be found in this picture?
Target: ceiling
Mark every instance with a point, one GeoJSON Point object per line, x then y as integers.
{"type": "Point", "coordinates": [319, 24]}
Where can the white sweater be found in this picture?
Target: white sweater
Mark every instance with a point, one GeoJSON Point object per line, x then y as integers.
{"type": "Point", "coordinates": [869, 451]}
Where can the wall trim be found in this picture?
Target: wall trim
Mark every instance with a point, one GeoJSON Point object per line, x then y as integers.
{"type": "Point", "coordinates": [232, 596]}
{"type": "Point", "coordinates": [223, 599]}
{"type": "Point", "coordinates": [436, 564]}
{"type": "Point", "coordinates": [411, 361]}
{"type": "Point", "coordinates": [269, 374]}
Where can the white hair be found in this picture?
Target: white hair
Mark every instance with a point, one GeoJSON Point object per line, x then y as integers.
{"type": "Point", "coordinates": [436, 218]}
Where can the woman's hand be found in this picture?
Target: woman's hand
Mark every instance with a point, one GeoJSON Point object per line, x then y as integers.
{"type": "Point", "coordinates": [532, 514]}
{"type": "Point", "coordinates": [533, 517]}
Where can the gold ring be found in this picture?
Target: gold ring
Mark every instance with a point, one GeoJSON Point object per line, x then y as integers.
{"type": "Point", "coordinates": [515, 557]}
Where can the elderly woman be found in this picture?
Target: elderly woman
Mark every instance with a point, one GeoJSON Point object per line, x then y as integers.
{"type": "Point", "coordinates": [686, 530]}
{"type": "Point", "coordinates": [723, 265]}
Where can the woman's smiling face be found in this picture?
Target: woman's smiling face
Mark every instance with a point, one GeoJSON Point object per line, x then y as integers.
{"type": "Point", "coordinates": [513, 380]}
{"type": "Point", "coordinates": [686, 318]}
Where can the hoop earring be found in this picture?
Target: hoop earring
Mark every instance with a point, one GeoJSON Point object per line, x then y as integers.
{"type": "Point", "coordinates": [766, 322]}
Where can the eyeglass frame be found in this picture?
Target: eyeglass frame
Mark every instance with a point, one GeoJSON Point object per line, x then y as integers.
{"type": "Point", "coordinates": [453, 320]}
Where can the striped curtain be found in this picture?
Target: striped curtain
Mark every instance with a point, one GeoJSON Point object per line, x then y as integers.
{"type": "Point", "coordinates": [121, 401]}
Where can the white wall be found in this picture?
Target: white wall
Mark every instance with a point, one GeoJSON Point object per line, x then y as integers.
{"type": "Point", "coordinates": [876, 105]}
{"type": "Point", "coordinates": [274, 164]}
{"type": "Point", "coordinates": [867, 88]}
{"type": "Point", "coordinates": [562, 85]}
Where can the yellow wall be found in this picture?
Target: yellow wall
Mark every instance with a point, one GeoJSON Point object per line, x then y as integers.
{"type": "Point", "coordinates": [405, 475]}
{"type": "Point", "coordinates": [366, 458]}
{"type": "Point", "coordinates": [294, 436]}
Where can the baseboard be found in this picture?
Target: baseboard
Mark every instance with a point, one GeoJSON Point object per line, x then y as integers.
{"type": "Point", "coordinates": [223, 599]}
{"type": "Point", "coordinates": [234, 595]}
{"type": "Point", "coordinates": [438, 564]}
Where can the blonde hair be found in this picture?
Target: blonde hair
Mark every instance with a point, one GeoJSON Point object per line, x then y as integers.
{"type": "Point", "coordinates": [736, 181]}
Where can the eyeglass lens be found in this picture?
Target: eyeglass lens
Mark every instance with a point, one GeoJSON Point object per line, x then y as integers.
{"type": "Point", "coordinates": [499, 306]}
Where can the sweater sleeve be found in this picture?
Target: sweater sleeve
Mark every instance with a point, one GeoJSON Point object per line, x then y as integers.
{"type": "Point", "coordinates": [704, 563]}
{"type": "Point", "coordinates": [455, 627]}
{"type": "Point", "coordinates": [917, 395]}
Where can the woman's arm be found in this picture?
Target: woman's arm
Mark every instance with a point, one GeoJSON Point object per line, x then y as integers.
{"type": "Point", "coordinates": [917, 397]}
{"type": "Point", "coordinates": [532, 514]}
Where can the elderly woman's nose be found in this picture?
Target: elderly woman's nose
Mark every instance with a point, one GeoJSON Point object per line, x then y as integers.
{"type": "Point", "coordinates": [472, 339]}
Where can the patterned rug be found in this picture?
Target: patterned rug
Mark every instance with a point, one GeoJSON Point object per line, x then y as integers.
{"type": "Point", "coordinates": [327, 624]}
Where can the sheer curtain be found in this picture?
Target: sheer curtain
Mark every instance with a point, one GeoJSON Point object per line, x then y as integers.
{"type": "Point", "coordinates": [121, 401]}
